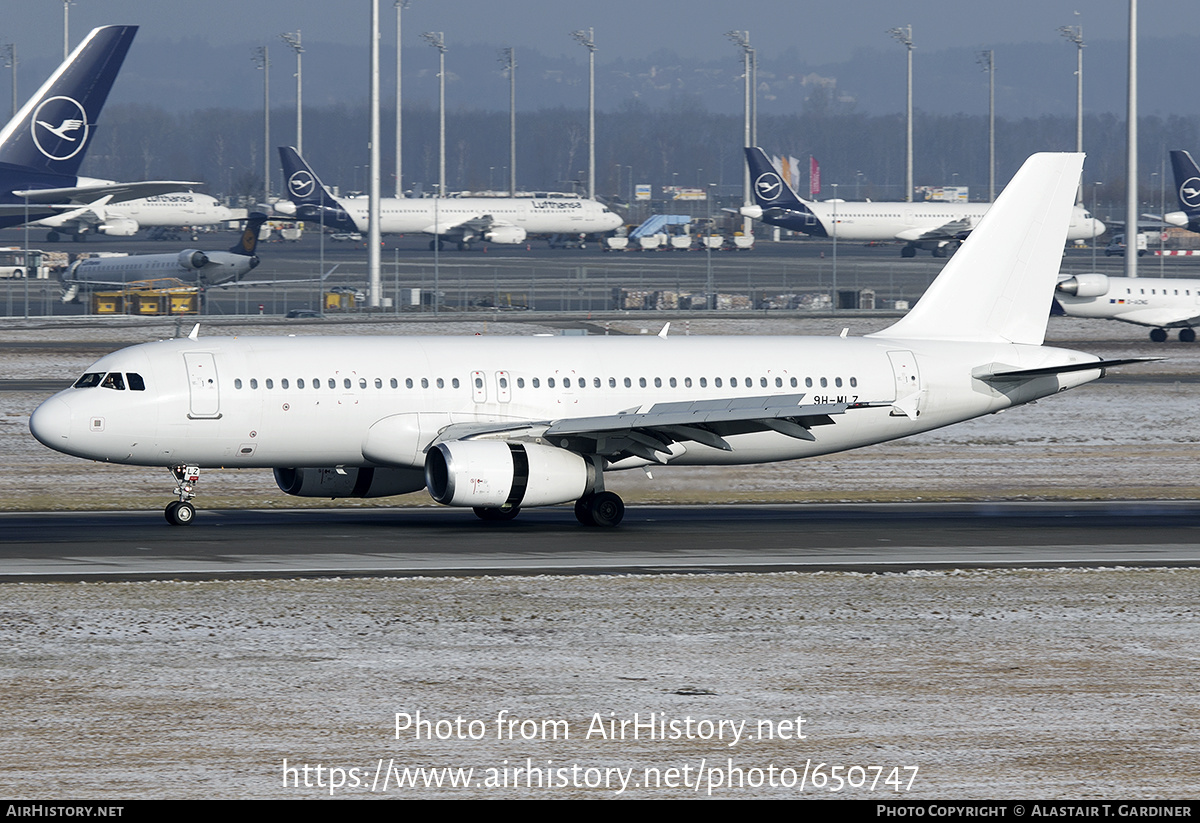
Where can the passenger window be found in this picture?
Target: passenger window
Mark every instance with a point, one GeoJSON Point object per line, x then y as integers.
{"type": "Point", "coordinates": [824, 382]}
{"type": "Point", "coordinates": [378, 383]}
{"type": "Point", "coordinates": [454, 382]}
{"type": "Point", "coordinates": [537, 383]}
{"type": "Point", "coordinates": [345, 383]}
{"type": "Point", "coordinates": [520, 382]}
{"type": "Point", "coordinates": [808, 382]}
{"type": "Point", "coordinates": [658, 382]}
{"type": "Point", "coordinates": [136, 383]}
{"type": "Point", "coordinates": [408, 384]}
{"type": "Point", "coordinates": [270, 383]}
{"type": "Point", "coordinates": [424, 382]}
{"type": "Point", "coordinates": [628, 383]}
{"type": "Point", "coordinates": [441, 384]}
{"type": "Point", "coordinates": [283, 384]}
{"type": "Point", "coordinates": [687, 382]}
{"type": "Point", "coordinates": [237, 382]}
{"type": "Point", "coordinates": [299, 382]}
{"type": "Point", "coordinates": [717, 382]}
{"type": "Point", "coordinates": [733, 382]}
{"type": "Point", "coordinates": [253, 382]}
{"type": "Point", "coordinates": [362, 382]}
{"type": "Point", "coordinates": [333, 383]}
{"type": "Point", "coordinates": [595, 382]}
{"type": "Point", "coordinates": [395, 384]}
{"type": "Point", "coordinates": [837, 381]}
{"type": "Point", "coordinates": [704, 382]}
{"type": "Point", "coordinates": [550, 382]}
{"type": "Point", "coordinates": [642, 382]}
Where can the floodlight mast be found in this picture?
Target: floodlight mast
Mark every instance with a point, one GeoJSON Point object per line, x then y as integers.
{"type": "Point", "coordinates": [509, 58]}
{"type": "Point", "coordinates": [987, 59]}
{"type": "Point", "coordinates": [437, 39]}
{"type": "Point", "coordinates": [742, 40]}
{"type": "Point", "coordinates": [1075, 35]}
{"type": "Point", "coordinates": [904, 35]}
{"type": "Point", "coordinates": [293, 40]}
{"type": "Point", "coordinates": [375, 194]}
{"type": "Point", "coordinates": [262, 59]}
{"type": "Point", "coordinates": [401, 5]}
{"type": "Point", "coordinates": [588, 40]}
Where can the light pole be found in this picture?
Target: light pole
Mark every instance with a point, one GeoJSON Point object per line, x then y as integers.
{"type": "Point", "coordinates": [66, 28]}
{"type": "Point", "coordinates": [437, 39]}
{"type": "Point", "coordinates": [509, 58]}
{"type": "Point", "coordinates": [834, 186]}
{"type": "Point", "coordinates": [987, 59]}
{"type": "Point", "coordinates": [401, 5]}
{"type": "Point", "coordinates": [1131, 142]}
{"type": "Point", "coordinates": [1075, 35]}
{"type": "Point", "coordinates": [10, 62]}
{"type": "Point", "coordinates": [588, 39]}
{"type": "Point", "coordinates": [374, 184]}
{"type": "Point", "coordinates": [262, 59]}
{"type": "Point", "coordinates": [742, 39]}
{"type": "Point", "coordinates": [904, 35]}
{"type": "Point", "coordinates": [293, 40]}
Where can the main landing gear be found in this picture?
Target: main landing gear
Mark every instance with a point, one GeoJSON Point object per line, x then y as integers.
{"type": "Point", "coordinates": [604, 509]}
{"type": "Point", "coordinates": [1186, 335]}
{"type": "Point", "coordinates": [181, 512]}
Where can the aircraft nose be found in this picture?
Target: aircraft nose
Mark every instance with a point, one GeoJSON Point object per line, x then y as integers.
{"type": "Point", "coordinates": [50, 423]}
{"type": "Point", "coordinates": [1098, 228]}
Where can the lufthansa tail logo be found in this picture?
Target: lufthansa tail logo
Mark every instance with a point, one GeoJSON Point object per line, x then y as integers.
{"type": "Point", "coordinates": [1189, 193]}
{"type": "Point", "coordinates": [60, 128]}
{"type": "Point", "coordinates": [768, 186]}
{"type": "Point", "coordinates": [301, 184]}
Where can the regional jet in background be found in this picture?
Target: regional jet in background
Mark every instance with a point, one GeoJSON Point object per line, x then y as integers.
{"type": "Point", "coordinates": [939, 228]}
{"type": "Point", "coordinates": [500, 423]}
{"type": "Point", "coordinates": [462, 220]}
{"type": "Point", "coordinates": [1161, 303]}
{"type": "Point", "coordinates": [192, 267]}
{"type": "Point", "coordinates": [43, 146]}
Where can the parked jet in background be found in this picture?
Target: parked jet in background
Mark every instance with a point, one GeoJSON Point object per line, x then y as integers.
{"type": "Point", "coordinates": [463, 220]}
{"type": "Point", "coordinates": [1162, 303]}
{"type": "Point", "coordinates": [190, 266]}
{"type": "Point", "coordinates": [43, 146]}
{"type": "Point", "coordinates": [937, 227]}
{"type": "Point", "coordinates": [497, 423]}
{"type": "Point", "coordinates": [176, 209]}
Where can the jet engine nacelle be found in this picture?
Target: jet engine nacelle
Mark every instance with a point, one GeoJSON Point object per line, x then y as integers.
{"type": "Point", "coordinates": [192, 259]}
{"type": "Point", "coordinates": [497, 473]}
{"type": "Point", "coordinates": [118, 227]}
{"type": "Point", "coordinates": [333, 483]}
{"type": "Point", "coordinates": [1085, 285]}
{"type": "Point", "coordinates": [505, 235]}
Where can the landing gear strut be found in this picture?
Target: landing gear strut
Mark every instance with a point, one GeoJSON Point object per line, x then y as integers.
{"type": "Point", "coordinates": [181, 512]}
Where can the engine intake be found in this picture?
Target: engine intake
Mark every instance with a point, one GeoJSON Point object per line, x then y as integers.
{"type": "Point", "coordinates": [334, 483]}
{"type": "Point", "coordinates": [502, 473]}
{"type": "Point", "coordinates": [193, 259]}
{"type": "Point", "coordinates": [1085, 285]}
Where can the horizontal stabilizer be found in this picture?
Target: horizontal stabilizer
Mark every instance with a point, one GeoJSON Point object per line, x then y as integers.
{"type": "Point", "coordinates": [1023, 374]}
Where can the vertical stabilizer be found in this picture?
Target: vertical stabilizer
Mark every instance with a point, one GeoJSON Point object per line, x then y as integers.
{"type": "Point", "coordinates": [1187, 191]}
{"type": "Point", "coordinates": [249, 240]}
{"type": "Point", "coordinates": [303, 185]}
{"type": "Point", "coordinates": [52, 130]}
{"type": "Point", "coordinates": [999, 285]}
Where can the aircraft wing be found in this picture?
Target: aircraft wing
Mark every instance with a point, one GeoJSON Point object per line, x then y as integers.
{"type": "Point", "coordinates": [954, 230]}
{"type": "Point", "coordinates": [73, 197]}
{"type": "Point", "coordinates": [649, 433]}
{"type": "Point", "coordinates": [477, 224]}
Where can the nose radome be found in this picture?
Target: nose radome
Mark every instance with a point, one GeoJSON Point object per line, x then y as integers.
{"type": "Point", "coordinates": [50, 423]}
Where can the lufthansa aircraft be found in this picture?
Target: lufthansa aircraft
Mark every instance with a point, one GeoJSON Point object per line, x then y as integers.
{"type": "Point", "coordinates": [191, 266]}
{"type": "Point", "coordinates": [937, 227]}
{"type": "Point", "coordinates": [43, 146]}
{"type": "Point", "coordinates": [175, 209]}
{"type": "Point", "coordinates": [500, 423]}
{"type": "Point", "coordinates": [501, 220]}
{"type": "Point", "coordinates": [1187, 192]}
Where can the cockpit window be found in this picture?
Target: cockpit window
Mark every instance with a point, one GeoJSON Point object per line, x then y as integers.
{"type": "Point", "coordinates": [89, 380]}
{"type": "Point", "coordinates": [113, 380]}
{"type": "Point", "coordinates": [136, 383]}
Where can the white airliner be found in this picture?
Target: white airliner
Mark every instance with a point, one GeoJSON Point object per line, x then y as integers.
{"type": "Point", "coordinates": [191, 266]}
{"type": "Point", "coordinates": [500, 423]}
{"type": "Point", "coordinates": [175, 209]}
{"type": "Point", "coordinates": [1162, 303]}
{"type": "Point", "coordinates": [937, 227]}
{"type": "Point", "coordinates": [500, 220]}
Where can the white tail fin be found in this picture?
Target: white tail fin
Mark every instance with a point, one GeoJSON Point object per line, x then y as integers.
{"type": "Point", "coordinates": [998, 286]}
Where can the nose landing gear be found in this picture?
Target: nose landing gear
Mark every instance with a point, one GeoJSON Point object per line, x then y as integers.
{"type": "Point", "coordinates": [181, 512]}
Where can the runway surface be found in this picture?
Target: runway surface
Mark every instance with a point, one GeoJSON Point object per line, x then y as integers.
{"type": "Point", "coordinates": [404, 542]}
